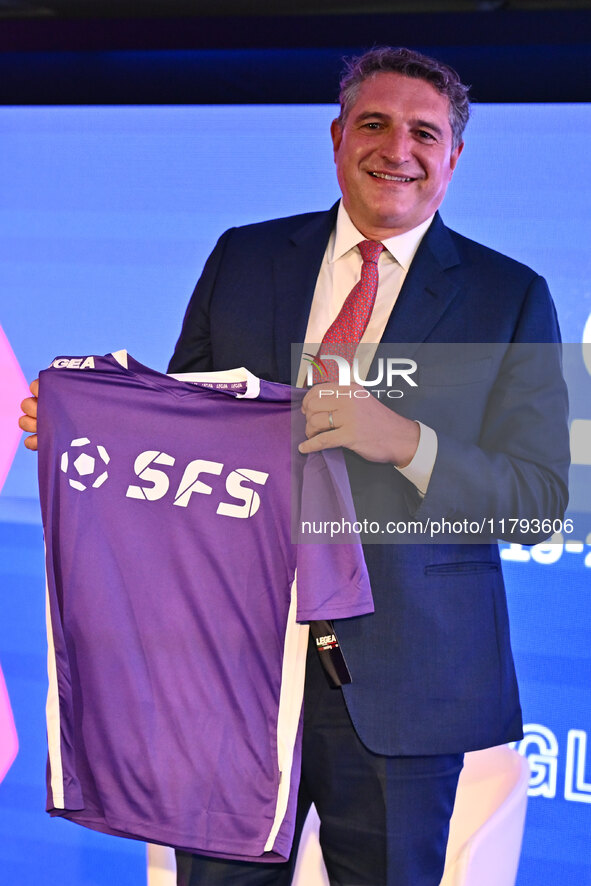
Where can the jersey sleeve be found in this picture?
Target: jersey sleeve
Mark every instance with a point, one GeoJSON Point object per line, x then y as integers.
{"type": "Point", "coordinates": [332, 578]}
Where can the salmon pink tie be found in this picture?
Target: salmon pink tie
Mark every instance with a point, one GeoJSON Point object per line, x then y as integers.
{"type": "Point", "coordinates": [344, 335]}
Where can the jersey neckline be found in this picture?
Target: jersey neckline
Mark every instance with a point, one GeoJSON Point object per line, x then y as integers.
{"type": "Point", "coordinates": [244, 385]}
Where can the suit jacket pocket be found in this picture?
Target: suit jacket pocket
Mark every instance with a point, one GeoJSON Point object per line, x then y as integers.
{"type": "Point", "coordinates": [472, 567]}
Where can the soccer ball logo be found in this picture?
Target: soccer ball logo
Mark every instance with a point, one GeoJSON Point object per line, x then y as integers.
{"type": "Point", "coordinates": [84, 464]}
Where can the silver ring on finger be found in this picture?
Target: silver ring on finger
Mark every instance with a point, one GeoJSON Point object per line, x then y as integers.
{"type": "Point", "coordinates": [331, 421]}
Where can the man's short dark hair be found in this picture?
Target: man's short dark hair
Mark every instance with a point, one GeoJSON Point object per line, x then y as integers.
{"type": "Point", "coordinates": [387, 60]}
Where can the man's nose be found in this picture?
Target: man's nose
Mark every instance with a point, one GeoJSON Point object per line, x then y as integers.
{"type": "Point", "coordinates": [396, 146]}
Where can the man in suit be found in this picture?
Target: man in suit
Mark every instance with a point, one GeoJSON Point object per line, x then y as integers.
{"type": "Point", "coordinates": [432, 671]}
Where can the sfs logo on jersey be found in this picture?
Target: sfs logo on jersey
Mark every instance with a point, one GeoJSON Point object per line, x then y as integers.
{"type": "Point", "coordinates": [84, 465]}
{"type": "Point", "coordinates": [158, 482]}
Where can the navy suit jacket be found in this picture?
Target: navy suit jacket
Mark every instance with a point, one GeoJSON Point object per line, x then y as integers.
{"type": "Point", "coordinates": [432, 668]}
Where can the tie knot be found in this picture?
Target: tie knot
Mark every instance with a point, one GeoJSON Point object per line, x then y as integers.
{"type": "Point", "coordinates": [370, 250]}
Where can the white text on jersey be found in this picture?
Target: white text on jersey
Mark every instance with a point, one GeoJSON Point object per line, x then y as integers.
{"type": "Point", "coordinates": [74, 363]}
{"type": "Point", "coordinates": [237, 483]}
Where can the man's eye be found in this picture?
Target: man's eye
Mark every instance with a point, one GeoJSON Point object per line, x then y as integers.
{"type": "Point", "coordinates": [372, 124]}
{"type": "Point", "coordinates": [425, 135]}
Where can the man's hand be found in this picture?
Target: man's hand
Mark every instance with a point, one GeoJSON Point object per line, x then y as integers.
{"type": "Point", "coordinates": [339, 416]}
{"type": "Point", "coordinates": [28, 421]}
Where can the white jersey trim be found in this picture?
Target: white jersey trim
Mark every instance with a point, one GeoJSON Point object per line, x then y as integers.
{"type": "Point", "coordinates": [121, 358]}
{"type": "Point", "coordinates": [291, 698]}
{"type": "Point", "coordinates": [52, 714]}
{"type": "Point", "coordinates": [253, 384]}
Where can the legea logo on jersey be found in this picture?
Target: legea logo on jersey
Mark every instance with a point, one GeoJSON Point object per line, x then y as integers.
{"type": "Point", "coordinates": [84, 464]}
{"type": "Point", "coordinates": [73, 363]}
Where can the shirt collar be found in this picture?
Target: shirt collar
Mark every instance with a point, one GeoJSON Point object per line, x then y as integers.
{"type": "Point", "coordinates": [402, 247]}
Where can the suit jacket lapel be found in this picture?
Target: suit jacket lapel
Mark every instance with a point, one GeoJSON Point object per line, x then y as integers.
{"type": "Point", "coordinates": [427, 290]}
{"type": "Point", "coordinates": [295, 271]}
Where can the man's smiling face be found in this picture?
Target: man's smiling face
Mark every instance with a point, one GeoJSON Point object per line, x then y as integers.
{"type": "Point", "coordinates": [394, 154]}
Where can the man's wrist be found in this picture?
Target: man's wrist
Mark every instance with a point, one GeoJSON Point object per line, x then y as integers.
{"type": "Point", "coordinates": [407, 444]}
{"type": "Point", "coordinates": [420, 467]}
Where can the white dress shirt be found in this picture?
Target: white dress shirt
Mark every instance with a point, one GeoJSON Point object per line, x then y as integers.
{"type": "Point", "coordinates": [339, 272]}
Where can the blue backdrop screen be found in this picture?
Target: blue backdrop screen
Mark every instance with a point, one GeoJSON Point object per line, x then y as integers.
{"type": "Point", "coordinates": [106, 218]}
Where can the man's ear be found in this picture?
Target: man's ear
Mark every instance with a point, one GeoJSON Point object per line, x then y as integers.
{"type": "Point", "coordinates": [336, 133]}
{"type": "Point", "coordinates": [455, 155]}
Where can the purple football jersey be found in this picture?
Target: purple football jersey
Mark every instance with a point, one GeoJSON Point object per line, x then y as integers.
{"type": "Point", "coordinates": [175, 601]}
